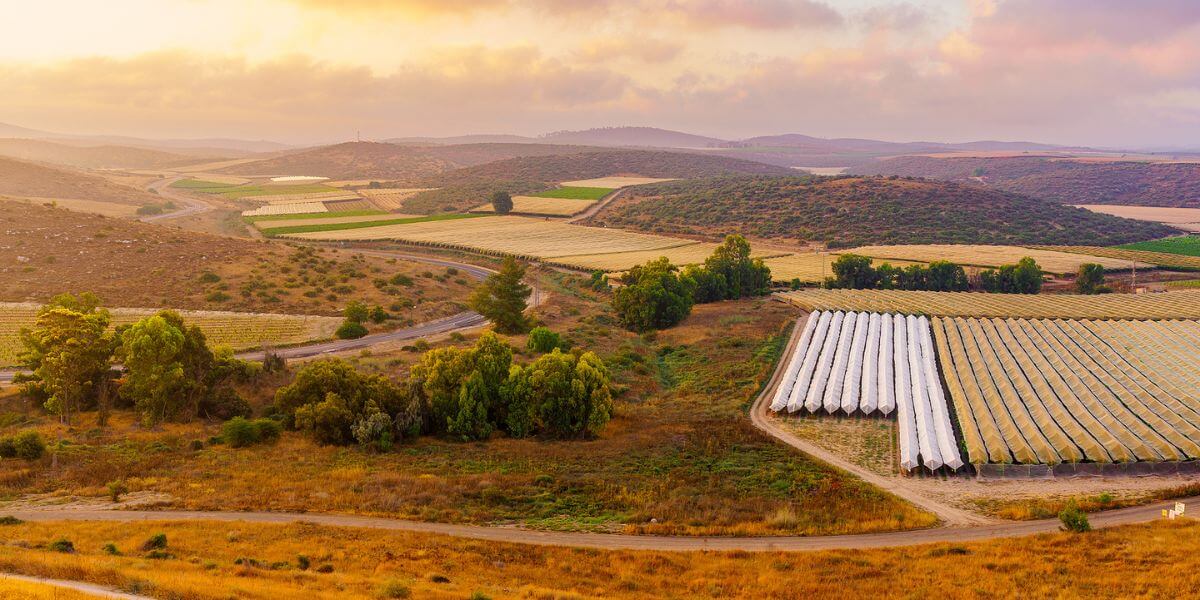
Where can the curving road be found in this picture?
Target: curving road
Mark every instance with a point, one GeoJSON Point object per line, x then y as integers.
{"type": "Point", "coordinates": [191, 205]}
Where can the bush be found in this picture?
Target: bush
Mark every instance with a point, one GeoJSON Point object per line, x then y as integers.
{"type": "Point", "coordinates": [542, 340]}
{"type": "Point", "coordinates": [393, 589]}
{"type": "Point", "coordinates": [27, 445]}
{"type": "Point", "coordinates": [110, 549]}
{"type": "Point", "coordinates": [157, 541]}
{"type": "Point", "coordinates": [239, 432]}
{"type": "Point", "coordinates": [116, 489]}
{"type": "Point", "coordinates": [62, 545]}
{"type": "Point", "coordinates": [7, 448]}
{"type": "Point", "coordinates": [1074, 519]}
{"type": "Point", "coordinates": [351, 330]}
{"type": "Point", "coordinates": [269, 430]}
{"type": "Point", "coordinates": [10, 520]}
{"type": "Point", "coordinates": [654, 296]}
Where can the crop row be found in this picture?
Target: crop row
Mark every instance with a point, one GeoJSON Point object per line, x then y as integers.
{"type": "Point", "coordinates": [1172, 305]}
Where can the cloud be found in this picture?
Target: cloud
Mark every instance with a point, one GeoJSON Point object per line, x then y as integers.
{"type": "Point", "coordinates": [895, 17]}
{"type": "Point", "coordinates": [644, 49]}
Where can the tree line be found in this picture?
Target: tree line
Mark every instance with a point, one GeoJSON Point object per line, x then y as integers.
{"type": "Point", "coordinates": [854, 271]}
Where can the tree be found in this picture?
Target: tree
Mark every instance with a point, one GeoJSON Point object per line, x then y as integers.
{"type": "Point", "coordinates": [439, 379]}
{"type": "Point", "coordinates": [1089, 279]}
{"type": "Point", "coordinates": [470, 422]}
{"type": "Point", "coordinates": [654, 296]}
{"type": "Point", "coordinates": [502, 203]}
{"type": "Point", "coordinates": [854, 272]}
{"type": "Point", "coordinates": [328, 395]}
{"type": "Point", "coordinates": [709, 286]}
{"type": "Point", "coordinates": [502, 298]}
{"type": "Point", "coordinates": [743, 276]}
{"type": "Point", "coordinates": [945, 276]}
{"type": "Point", "coordinates": [542, 340]}
{"type": "Point", "coordinates": [1025, 277]}
{"type": "Point", "coordinates": [67, 353]}
{"type": "Point", "coordinates": [567, 396]}
{"type": "Point", "coordinates": [152, 351]}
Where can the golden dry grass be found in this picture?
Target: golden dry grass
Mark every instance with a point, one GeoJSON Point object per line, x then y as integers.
{"type": "Point", "coordinates": [1172, 305]}
{"type": "Point", "coordinates": [108, 209]}
{"type": "Point", "coordinates": [1161, 259]}
{"type": "Point", "coordinates": [989, 256]}
{"type": "Point", "coordinates": [811, 267]}
{"type": "Point", "coordinates": [1156, 560]}
{"type": "Point", "coordinates": [12, 589]}
{"type": "Point", "coordinates": [612, 182]}
{"type": "Point", "coordinates": [1158, 214]}
{"type": "Point", "coordinates": [533, 205]}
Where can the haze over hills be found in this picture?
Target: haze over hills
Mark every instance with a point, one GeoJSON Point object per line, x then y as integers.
{"type": "Point", "coordinates": [91, 157]}
{"type": "Point", "coordinates": [195, 147]}
{"type": "Point", "coordinates": [26, 179]}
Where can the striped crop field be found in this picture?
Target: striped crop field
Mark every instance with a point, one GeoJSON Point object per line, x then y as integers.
{"type": "Point", "coordinates": [306, 226]}
{"type": "Point", "coordinates": [575, 193]}
{"type": "Point", "coordinates": [871, 363]}
{"type": "Point", "coordinates": [534, 205]}
{"type": "Point", "coordinates": [305, 197]}
{"type": "Point", "coordinates": [1185, 245]}
{"type": "Point", "coordinates": [1165, 305]}
{"type": "Point", "coordinates": [517, 236]}
{"type": "Point", "coordinates": [391, 198]}
{"type": "Point", "coordinates": [1055, 391]}
{"type": "Point", "coordinates": [990, 256]}
{"type": "Point", "coordinates": [336, 218]}
{"type": "Point", "coordinates": [690, 254]}
{"type": "Point", "coordinates": [811, 267]}
{"type": "Point", "coordinates": [1165, 260]}
{"type": "Point", "coordinates": [299, 208]}
{"type": "Point", "coordinates": [612, 183]}
{"type": "Point", "coordinates": [239, 331]}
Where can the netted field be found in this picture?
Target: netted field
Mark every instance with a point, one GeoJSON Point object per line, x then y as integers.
{"type": "Point", "coordinates": [990, 256]}
{"type": "Point", "coordinates": [1166, 305]}
{"type": "Point", "coordinates": [299, 208]}
{"type": "Point", "coordinates": [1054, 391]}
{"type": "Point", "coordinates": [534, 205]}
{"type": "Point", "coordinates": [1161, 259]}
{"type": "Point", "coordinates": [517, 236]}
{"type": "Point", "coordinates": [612, 182]}
{"type": "Point", "coordinates": [238, 330]}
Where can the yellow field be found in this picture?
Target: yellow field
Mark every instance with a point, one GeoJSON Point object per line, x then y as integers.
{"type": "Point", "coordinates": [518, 236]}
{"type": "Point", "coordinates": [1156, 560]}
{"type": "Point", "coordinates": [298, 208]}
{"type": "Point", "coordinates": [810, 267]}
{"type": "Point", "coordinates": [1165, 305]}
{"type": "Point", "coordinates": [391, 198]}
{"type": "Point", "coordinates": [108, 209]}
{"type": "Point", "coordinates": [989, 256]}
{"type": "Point", "coordinates": [1187, 219]}
{"type": "Point", "coordinates": [238, 330]}
{"type": "Point", "coordinates": [612, 182]}
{"type": "Point", "coordinates": [532, 205]}
{"type": "Point", "coordinates": [1162, 259]}
{"type": "Point", "coordinates": [14, 589]}
{"type": "Point", "coordinates": [331, 220]}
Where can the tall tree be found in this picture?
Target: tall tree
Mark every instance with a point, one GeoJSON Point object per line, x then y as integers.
{"type": "Point", "coordinates": [502, 202]}
{"type": "Point", "coordinates": [654, 296]}
{"type": "Point", "coordinates": [1089, 279]}
{"type": "Point", "coordinates": [67, 353]}
{"type": "Point", "coordinates": [744, 276]}
{"type": "Point", "coordinates": [502, 298]}
{"type": "Point", "coordinates": [152, 350]}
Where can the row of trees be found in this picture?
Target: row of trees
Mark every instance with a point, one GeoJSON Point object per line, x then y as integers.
{"type": "Point", "coordinates": [853, 271]}
{"type": "Point", "coordinates": [169, 370]}
{"type": "Point", "coordinates": [657, 294]}
{"type": "Point", "coordinates": [467, 393]}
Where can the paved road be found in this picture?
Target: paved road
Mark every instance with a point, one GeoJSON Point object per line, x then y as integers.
{"type": "Point", "coordinates": [1125, 516]}
{"type": "Point", "coordinates": [98, 591]}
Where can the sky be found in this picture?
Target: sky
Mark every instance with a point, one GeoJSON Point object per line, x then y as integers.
{"type": "Point", "coordinates": [1114, 73]}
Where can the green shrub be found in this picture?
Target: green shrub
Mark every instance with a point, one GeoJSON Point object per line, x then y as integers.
{"type": "Point", "coordinates": [157, 541]}
{"type": "Point", "coordinates": [1074, 519]}
{"type": "Point", "coordinates": [7, 448]}
{"type": "Point", "coordinates": [393, 589]}
{"type": "Point", "coordinates": [269, 430]}
{"type": "Point", "coordinates": [28, 445]}
{"type": "Point", "coordinates": [350, 330]}
{"type": "Point", "coordinates": [62, 545]}
{"type": "Point", "coordinates": [116, 489]}
{"type": "Point", "coordinates": [542, 340]}
{"type": "Point", "coordinates": [239, 432]}
{"type": "Point", "coordinates": [10, 520]}
{"type": "Point", "coordinates": [110, 549]}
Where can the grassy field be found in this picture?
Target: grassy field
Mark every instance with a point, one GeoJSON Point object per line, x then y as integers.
{"type": "Point", "coordinates": [237, 330]}
{"type": "Point", "coordinates": [1187, 245]}
{"type": "Point", "coordinates": [990, 256]}
{"type": "Point", "coordinates": [575, 193]}
{"type": "Point", "coordinates": [679, 456]}
{"type": "Point", "coordinates": [324, 215]}
{"type": "Point", "coordinates": [11, 589]}
{"type": "Point", "coordinates": [212, 561]}
{"type": "Point", "coordinates": [1179, 262]}
{"type": "Point", "coordinates": [276, 210]}
{"type": "Point", "coordinates": [251, 191]}
{"type": "Point", "coordinates": [1174, 305]}
{"type": "Point", "coordinates": [202, 185]}
{"type": "Point", "coordinates": [342, 226]}
{"type": "Point", "coordinates": [533, 205]}
{"type": "Point", "coordinates": [613, 183]}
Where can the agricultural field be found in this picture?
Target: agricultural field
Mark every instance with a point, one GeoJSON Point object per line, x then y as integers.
{"type": "Point", "coordinates": [575, 193]}
{"type": "Point", "coordinates": [1187, 219]}
{"type": "Point", "coordinates": [340, 225]}
{"type": "Point", "coordinates": [542, 206]}
{"type": "Point", "coordinates": [295, 198]}
{"type": "Point", "coordinates": [812, 267]}
{"type": "Point", "coordinates": [390, 199]}
{"type": "Point", "coordinates": [1061, 263]}
{"type": "Point", "coordinates": [1186, 245]}
{"type": "Point", "coordinates": [305, 217]}
{"type": "Point", "coordinates": [867, 364]}
{"type": "Point", "coordinates": [318, 219]}
{"type": "Point", "coordinates": [613, 183]}
{"type": "Point", "coordinates": [299, 208]}
{"type": "Point", "coordinates": [1054, 391]}
{"type": "Point", "coordinates": [1166, 260]}
{"type": "Point", "coordinates": [127, 263]}
{"type": "Point", "coordinates": [239, 331]}
{"type": "Point", "coordinates": [1172, 305]}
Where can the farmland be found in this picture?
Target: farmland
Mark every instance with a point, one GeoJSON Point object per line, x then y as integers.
{"type": "Point", "coordinates": [326, 219]}
{"type": "Point", "coordinates": [991, 256]}
{"type": "Point", "coordinates": [340, 225]}
{"type": "Point", "coordinates": [1167, 260]}
{"type": "Point", "coordinates": [1173, 305]}
{"type": "Point", "coordinates": [856, 211]}
{"type": "Point", "coordinates": [298, 208]}
{"type": "Point", "coordinates": [543, 206]}
{"type": "Point", "coordinates": [390, 199]}
{"type": "Point", "coordinates": [613, 183]}
{"type": "Point", "coordinates": [1186, 245]}
{"type": "Point", "coordinates": [575, 193]}
{"type": "Point", "coordinates": [239, 331]}
{"type": "Point", "coordinates": [1187, 219]}
{"type": "Point", "coordinates": [1052, 391]}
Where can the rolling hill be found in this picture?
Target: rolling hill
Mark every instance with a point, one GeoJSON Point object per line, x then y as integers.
{"type": "Point", "coordinates": [91, 157]}
{"type": "Point", "coordinates": [852, 211]}
{"type": "Point", "coordinates": [32, 180]}
{"type": "Point", "coordinates": [1060, 180]}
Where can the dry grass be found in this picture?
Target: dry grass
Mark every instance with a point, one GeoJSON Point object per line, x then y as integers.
{"type": "Point", "coordinates": [303, 198]}
{"type": "Point", "coordinates": [811, 267]}
{"type": "Point", "coordinates": [533, 205]}
{"type": "Point", "coordinates": [1172, 305]}
{"type": "Point", "coordinates": [989, 256]}
{"type": "Point", "coordinates": [1187, 219]}
{"type": "Point", "coordinates": [612, 182]}
{"type": "Point", "coordinates": [108, 209]}
{"type": "Point", "coordinates": [1145, 561]}
{"type": "Point", "coordinates": [265, 224]}
{"type": "Point", "coordinates": [12, 589]}
{"type": "Point", "coordinates": [1128, 256]}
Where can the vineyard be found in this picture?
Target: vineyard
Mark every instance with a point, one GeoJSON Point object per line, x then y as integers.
{"type": "Point", "coordinates": [872, 363]}
{"type": "Point", "coordinates": [239, 331]}
{"type": "Point", "coordinates": [306, 197]}
{"type": "Point", "coordinates": [299, 208]}
{"type": "Point", "coordinates": [1053, 391]}
{"type": "Point", "coordinates": [1161, 259]}
{"type": "Point", "coordinates": [991, 256]}
{"type": "Point", "coordinates": [390, 198]}
{"type": "Point", "coordinates": [1172, 305]}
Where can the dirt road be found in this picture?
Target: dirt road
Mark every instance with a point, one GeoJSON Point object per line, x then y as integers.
{"type": "Point", "coordinates": [98, 591]}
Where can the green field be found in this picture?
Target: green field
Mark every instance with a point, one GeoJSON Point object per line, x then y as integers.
{"type": "Point", "coordinates": [199, 185]}
{"type": "Point", "coordinates": [575, 193]}
{"type": "Point", "coordinates": [246, 191]}
{"type": "Point", "coordinates": [1187, 245]}
{"type": "Point", "coordinates": [324, 215]}
{"type": "Point", "coordinates": [340, 226]}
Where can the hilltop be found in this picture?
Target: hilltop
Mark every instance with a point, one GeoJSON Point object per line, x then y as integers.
{"type": "Point", "coordinates": [32, 180]}
{"type": "Point", "coordinates": [852, 211]}
{"type": "Point", "coordinates": [1058, 179]}
{"type": "Point", "coordinates": [91, 157]}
